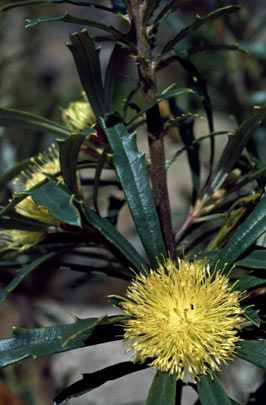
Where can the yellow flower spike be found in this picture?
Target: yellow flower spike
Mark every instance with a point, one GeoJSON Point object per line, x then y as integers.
{"type": "Point", "coordinates": [79, 115]}
{"type": "Point", "coordinates": [46, 162]}
{"type": "Point", "coordinates": [183, 317]}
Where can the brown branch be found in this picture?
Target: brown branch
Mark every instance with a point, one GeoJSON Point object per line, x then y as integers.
{"type": "Point", "coordinates": [146, 71]}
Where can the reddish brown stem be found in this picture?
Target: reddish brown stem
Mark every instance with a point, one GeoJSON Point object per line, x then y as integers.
{"type": "Point", "coordinates": [147, 78]}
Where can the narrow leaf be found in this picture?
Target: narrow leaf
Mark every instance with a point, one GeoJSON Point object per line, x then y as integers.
{"type": "Point", "coordinates": [246, 234]}
{"type": "Point", "coordinates": [17, 221]}
{"type": "Point", "coordinates": [150, 7]}
{"type": "Point", "coordinates": [112, 235]}
{"type": "Point", "coordinates": [211, 392]}
{"type": "Point", "coordinates": [32, 2]}
{"type": "Point", "coordinates": [58, 201]}
{"type": "Point", "coordinates": [247, 282]}
{"type": "Point", "coordinates": [22, 274]}
{"type": "Point", "coordinates": [9, 117]}
{"type": "Point", "coordinates": [69, 150]}
{"type": "Point", "coordinates": [115, 61]}
{"type": "Point", "coordinates": [131, 170]}
{"type": "Point", "coordinates": [253, 316]}
{"type": "Point", "coordinates": [94, 380]}
{"type": "Point", "coordinates": [252, 351]}
{"type": "Point", "coordinates": [234, 148]}
{"type": "Point", "coordinates": [56, 339]}
{"type": "Point", "coordinates": [163, 390]}
{"type": "Point", "coordinates": [198, 22]}
{"type": "Point", "coordinates": [86, 57]}
{"type": "Point", "coordinates": [187, 135]}
{"type": "Point", "coordinates": [254, 260]}
{"type": "Point", "coordinates": [162, 96]}
{"type": "Point", "coordinates": [77, 20]}
{"type": "Point", "coordinates": [214, 47]}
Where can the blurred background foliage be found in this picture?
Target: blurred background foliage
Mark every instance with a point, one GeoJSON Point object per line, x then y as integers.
{"type": "Point", "coordinates": [37, 74]}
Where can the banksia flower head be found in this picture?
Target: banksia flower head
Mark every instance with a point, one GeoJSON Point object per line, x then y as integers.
{"type": "Point", "coordinates": [79, 115]}
{"type": "Point", "coordinates": [46, 162]}
{"type": "Point", "coordinates": [183, 318]}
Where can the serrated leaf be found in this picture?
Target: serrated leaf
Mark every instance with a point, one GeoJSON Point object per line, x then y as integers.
{"type": "Point", "coordinates": [246, 234]}
{"type": "Point", "coordinates": [69, 150]}
{"type": "Point", "coordinates": [198, 22]}
{"type": "Point", "coordinates": [131, 170]}
{"type": "Point", "coordinates": [22, 274]}
{"type": "Point", "coordinates": [163, 390]}
{"type": "Point", "coordinates": [247, 282]}
{"type": "Point", "coordinates": [56, 339]}
{"type": "Point", "coordinates": [252, 351]}
{"type": "Point", "coordinates": [254, 260]}
{"type": "Point", "coordinates": [116, 239]}
{"type": "Point", "coordinates": [211, 392]}
{"type": "Point", "coordinates": [10, 117]}
{"type": "Point", "coordinates": [58, 201]}
{"type": "Point", "coordinates": [94, 380]}
{"type": "Point", "coordinates": [166, 94]}
{"type": "Point", "coordinates": [86, 57]}
{"type": "Point", "coordinates": [253, 316]}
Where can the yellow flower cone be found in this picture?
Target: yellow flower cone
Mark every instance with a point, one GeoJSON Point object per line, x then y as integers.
{"type": "Point", "coordinates": [47, 162]}
{"type": "Point", "coordinates": [79, 115]}
{"type": "Point", "coordinates": [183, 318]}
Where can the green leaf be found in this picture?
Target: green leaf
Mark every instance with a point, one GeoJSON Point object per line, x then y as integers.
{"type": "Point", "coordinates": [116, 239]}
{"type": "Point", "coordinates": [162, 96]}
{"type": "Point", "coordinates": [115, 61]}
{"type": "Point", "coordinates": [131, 170]}
{"type": "Point", "coordinates": [100, 270]}
{"type": "Point", "coordinates": [77, 20]}
{"type": "Point", "coordinates": [69, 150]}
{"type": "Point", "coordinates": [246, 234]}
{"type": "Point", "coordinates": [163, 390]}
{"type": "Point", "coordinates": [211, 392]}
{"type": "Point", "coordinates": [252, 351]}
{"type": "Point", "coordinates": [253, 316]}
{"type": "Point", "coordinates": [56, 339]}
{"type": "Point", "coordinates": [86, 57]}
{"type": "Point", "coordinates": [247, 282]}
{"type": "Point", "coordinates": [94, 380]}
{"type": "Point", "coordinates": [32, 2]}
{"type": "Point", "coordinates": [58, 201]}
{"type": "Point", "coordinates": [187, 135]}
{"type": "Point", "coordinates": [198, 22]}
{"type": "Point", "coordinates": [16, 221]}
{"type": "Point", "coordinates": [17, 280]}
{"type": "Point", "coordinates": [254, 260]}
{"type": "Point", "coordinates": [215, 47]}
{"type": "Point", "coordinates": [170, 8]}
{"type": "Point", "coordinates": [9, 117]}
{"type": "Point", "coordinates": [150, 7]}
{"type": "Point", "coordinates": [234, 148]}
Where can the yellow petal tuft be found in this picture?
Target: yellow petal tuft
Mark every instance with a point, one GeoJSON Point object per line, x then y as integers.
{"type": "Point", "coordinates": [183, 318]}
